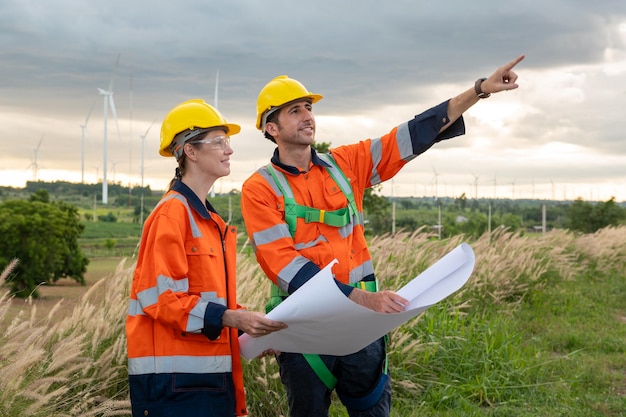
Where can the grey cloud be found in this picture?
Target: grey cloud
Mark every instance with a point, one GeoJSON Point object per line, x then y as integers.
{"type": "Point", "coordinates": [55, 54]}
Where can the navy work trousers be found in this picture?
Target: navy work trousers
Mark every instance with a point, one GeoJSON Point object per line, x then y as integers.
{"type": "Point", "coordinates": [357, 374]}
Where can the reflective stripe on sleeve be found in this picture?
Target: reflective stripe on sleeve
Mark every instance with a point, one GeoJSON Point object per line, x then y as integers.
{"type": "Point", "coordinates": [195, 322]}
{"type": "Point", "coordinates": [357, 273]}
{"type": "Point", "coordinates": [306, 245]}
{"type": "Point", "coordinates": [403, 139]}
{"type": "Point", "coordinates": [376, 152]}
{"type": "Point", "coordinates": [134, 308]}
{"type": "Point", "coordinates": [271, 234]}
{"type": "Point", "coordinates": [176, 285]}
{"type": "Point", "coordinates": [149, 296]}
{"type": "Point", "coordinates": [288, 272]}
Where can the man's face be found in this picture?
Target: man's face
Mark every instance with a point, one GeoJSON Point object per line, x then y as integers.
{"type": "Point", "coordinates": [295, 124]}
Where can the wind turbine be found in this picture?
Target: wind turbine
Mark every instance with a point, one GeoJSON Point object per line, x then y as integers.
{"type": "Point", "coordinates": [114, 164]}
{"type": "Point", "coordinates": [217, 76]}
{"type": "Point", "coordinates": [436, 181]}
{"type": "Point", "coordinates": [35, 164]}
{"type": "Point", "coordinates": [513, 190]}
{"type": "Point", "coordinates": [130, 141]}
{"type": "Point", "coordinates": [107, 102]}
{"type": "Point", "coordinates": [475, 186]}
{"type": "Point", "coordinates": [143, 140]}
{"type": "Point", "coordinates": [83, 128]}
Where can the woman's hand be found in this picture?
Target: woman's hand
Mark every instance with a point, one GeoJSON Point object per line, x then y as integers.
{"type": "Point", "coordinates": [251, 322]}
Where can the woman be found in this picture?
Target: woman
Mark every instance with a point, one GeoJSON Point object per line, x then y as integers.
{"type": "Point", "coordinates": [183, 352]}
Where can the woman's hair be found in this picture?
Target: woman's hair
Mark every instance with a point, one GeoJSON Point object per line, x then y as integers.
{"type": "Point", "coordinates": [180, 169]}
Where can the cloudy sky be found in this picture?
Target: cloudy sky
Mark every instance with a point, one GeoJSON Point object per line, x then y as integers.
{"type": "Point", "coordinates": [559, 136]}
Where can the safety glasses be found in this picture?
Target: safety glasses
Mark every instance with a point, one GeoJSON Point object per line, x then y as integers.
{"type": "Point", "coordinates": [218, 142]}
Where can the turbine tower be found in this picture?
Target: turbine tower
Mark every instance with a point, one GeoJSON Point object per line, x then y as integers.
{"type": "Point", "coordinates": [475, 186]}
{"type": "Point", "coordinates": [143, 140]}
{"type": "Point", "coordinates": [217, 76]}
{"type": "Point", "coordinates": [35, 163]}
{"type": "Point", "coordinates": [83, 128]}
{"type": "Point", "coordinates": [436, 181]}
{"type": "Point", "coordinates": [513, 190]}
{"type": "Point", "coordinates": [107, 102]}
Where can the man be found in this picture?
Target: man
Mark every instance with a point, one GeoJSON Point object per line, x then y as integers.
{"type": "Point", "coordinates": [305, 209]}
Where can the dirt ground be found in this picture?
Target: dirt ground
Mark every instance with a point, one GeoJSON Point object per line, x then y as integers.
{"type": "Point", "coordinates": [66, 291]}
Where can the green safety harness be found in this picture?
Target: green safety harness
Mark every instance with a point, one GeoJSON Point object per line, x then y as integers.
{"type": "Point", "coordinates": [337, 218]}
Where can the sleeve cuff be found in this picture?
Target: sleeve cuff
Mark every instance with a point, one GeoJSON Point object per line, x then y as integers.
{"type": "Point", "coordinates": [424, 128]}
{"type": "Point", "coordinates": [213, 320]}
{"type": "Point", "coordinates": [304, 274]}
{"type": "Point", "coordinates": [345, 288]}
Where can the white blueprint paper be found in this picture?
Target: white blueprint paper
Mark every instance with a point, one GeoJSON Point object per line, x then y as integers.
{"type": "Point", "coordinates": [322, 320]}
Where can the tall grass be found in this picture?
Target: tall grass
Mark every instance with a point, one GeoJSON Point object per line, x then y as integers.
{"type": "Point", "coordinates": [496, 347]}
{"type": "Point", "coordinates": [73, 365]}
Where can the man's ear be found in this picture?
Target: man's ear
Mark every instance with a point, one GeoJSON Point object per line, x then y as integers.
{"type": "Point", "coordinates": [271, 128]}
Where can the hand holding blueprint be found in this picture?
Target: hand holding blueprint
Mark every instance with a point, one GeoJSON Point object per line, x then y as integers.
{"type": "Point", "coordinates": [322, 320]}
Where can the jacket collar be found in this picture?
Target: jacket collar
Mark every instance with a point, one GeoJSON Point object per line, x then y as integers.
{"type": "Point", "coordinates": [204, 210]}
{"type": "Point", "coordinates": [316, 160]}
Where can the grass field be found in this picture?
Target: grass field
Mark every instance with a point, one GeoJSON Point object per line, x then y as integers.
{"type": "Point", "coordinates": [539, 330]}
{"type": "Point", "coordinates": [66, 293]}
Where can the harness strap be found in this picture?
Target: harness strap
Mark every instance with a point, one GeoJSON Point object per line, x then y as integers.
{"type": "Point", "coordinates": [277, 296]}
{"type": "Point", "coordinates": [293, 210]}
{"type": "Point", "coordinates": [337, 218]}
{"type": "Point", "coordinates": [340, 179]}
{"type": "Point", "coordinates": [321, 370]}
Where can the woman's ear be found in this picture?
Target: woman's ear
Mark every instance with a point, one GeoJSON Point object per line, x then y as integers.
{"type": "Point", "coordinates": [190, 152]}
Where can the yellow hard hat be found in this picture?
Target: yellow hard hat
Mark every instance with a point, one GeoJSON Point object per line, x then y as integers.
{"type": "Point", "coordinates": [194, 115]}
{"type": "Point", "coordinates": [278, 92]}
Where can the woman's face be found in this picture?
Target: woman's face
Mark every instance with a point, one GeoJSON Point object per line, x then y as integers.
{"type": "Point", "coordinates": [212, 154]}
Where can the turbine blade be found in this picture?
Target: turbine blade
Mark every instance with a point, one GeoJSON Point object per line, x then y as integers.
{"type": "Point", "coordinates": [217, 76]}
{"type": "Point", "coordinates": [117, 61]}
{"type": "Point", "coordinates": [90, 110]}
{"type": "Point", "coordinates": [112, 105]}
{"type": "Point", "coordinates": [148, 129]}
{"type": "Point", "coordinates": [88, 135]}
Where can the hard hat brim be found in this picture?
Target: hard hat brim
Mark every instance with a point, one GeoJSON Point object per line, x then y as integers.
{"type": "Point", "coordinates": [262, 120]}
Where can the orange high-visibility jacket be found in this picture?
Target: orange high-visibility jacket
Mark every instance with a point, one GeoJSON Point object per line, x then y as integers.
{"type": "Point", "coordinates": [289, 262]}
{"type": "Point", "coordinates": [183, 283]}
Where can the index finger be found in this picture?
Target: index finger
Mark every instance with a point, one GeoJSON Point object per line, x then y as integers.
{"type": "Point", "coordinates": [275, 325]}
{"type": "Point", "coordinates": [513, 63]}
{"type": "Point", "coordinates": [400, 300]}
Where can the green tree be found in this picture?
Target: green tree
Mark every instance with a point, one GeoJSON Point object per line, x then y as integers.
{"type": "Point", "coordinates": [43, 235]}
{"type": "Point", "coordinates": [461, 202]}
{"type": "Point", "coordinates": [376, 210]}
{"type": "Point", "coordinates": [321, 147]}
{"type": "Point", "coordinates": [109, 217]}
{"type": "Point", "coordinates": [588, 218]}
